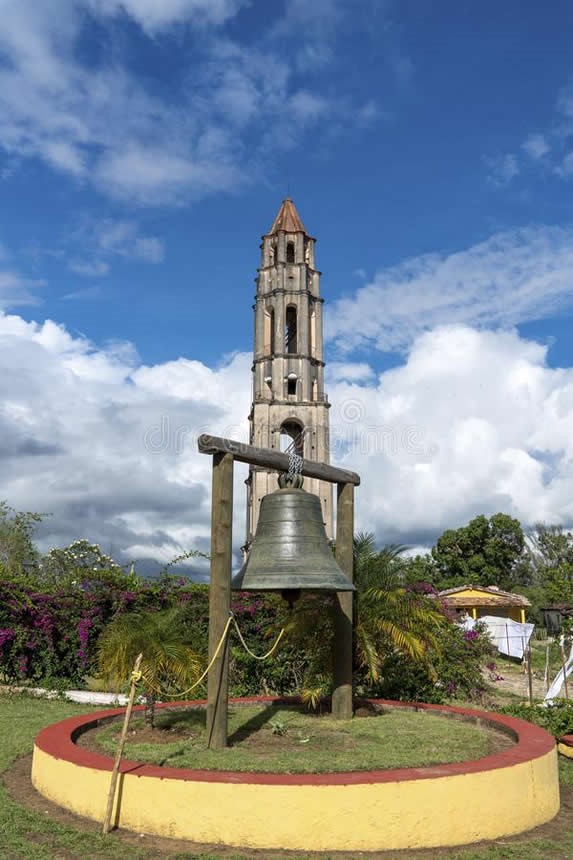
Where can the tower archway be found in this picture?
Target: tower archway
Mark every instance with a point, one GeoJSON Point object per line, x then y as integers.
{"type": "Point", "coordinates": [292, 437]}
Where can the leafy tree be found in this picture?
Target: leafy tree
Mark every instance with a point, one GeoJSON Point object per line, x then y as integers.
{"type": "Point", "coordinates": [17, 551]}
{"type": "Point", "coordinates": [419, 568]}
{"type": "Point", "coordinates": [82, 562]}
{"type": "Point", "coordinates": [169, 663]}
{"type": "Point", "coordinates": [551, 559]}
{"type": "Point", "coordinates": [484, 552]}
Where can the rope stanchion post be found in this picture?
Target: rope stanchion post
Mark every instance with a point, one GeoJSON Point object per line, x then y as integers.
{"type": "Point", "coordinates": [135, 676]}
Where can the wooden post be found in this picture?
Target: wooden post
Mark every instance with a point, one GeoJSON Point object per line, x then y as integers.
{"type": "Point", "coordinates": [220, 598]}
{"type": "Point", "coordinates": [529, 674]}
{"type": "Point", "coordinates": [342, 651]}
{"type": "Point", "coordinates": [564, 664]}
{"type": "Point", "coordinates": [120, 746]}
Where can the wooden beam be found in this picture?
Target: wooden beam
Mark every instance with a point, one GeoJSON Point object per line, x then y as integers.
{"type": "Point", "coordinates": [342, 648]}
{"type": "Point", "coordinates": [220, 598]}
{"type": "Point", "coordinates": [269, 459]}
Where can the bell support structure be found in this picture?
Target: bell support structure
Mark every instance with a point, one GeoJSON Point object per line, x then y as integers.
{"type": "Point", "coordinates": [224, 452]}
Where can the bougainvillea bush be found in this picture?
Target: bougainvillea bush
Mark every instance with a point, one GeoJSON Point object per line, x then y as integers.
{"type": "Point", "coordinates": [454, 669]}
{"type": "Point", "coordinates": [48, 637]}
{"type": "Point", "coordinates": [49, 634]}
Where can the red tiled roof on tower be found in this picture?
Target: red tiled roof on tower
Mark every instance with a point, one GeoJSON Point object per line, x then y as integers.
{"type": "Point", "coordinates": [287, 219]}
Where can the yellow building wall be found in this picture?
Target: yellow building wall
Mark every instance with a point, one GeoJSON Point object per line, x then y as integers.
{"type": "Point", "coordinates": [470, 595]}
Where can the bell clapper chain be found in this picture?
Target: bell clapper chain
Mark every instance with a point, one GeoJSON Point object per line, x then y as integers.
{"type": "Point", "coordinates": [292, 479]}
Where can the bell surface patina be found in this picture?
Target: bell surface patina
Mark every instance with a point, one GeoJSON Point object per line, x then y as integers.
{"type": "Point", "coordinates": [290, 551]}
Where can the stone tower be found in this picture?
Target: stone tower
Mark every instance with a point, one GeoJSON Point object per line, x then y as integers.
{"type": "Point", "coordinates": [290, 408]}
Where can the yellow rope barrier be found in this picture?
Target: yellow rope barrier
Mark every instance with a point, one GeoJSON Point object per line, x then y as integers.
{"type": "Point", "coordinates": [248, 650]}
{"type": "Point", "coordinates": [230, 620]}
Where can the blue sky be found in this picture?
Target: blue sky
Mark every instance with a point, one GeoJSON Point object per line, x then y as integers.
{"type": "Point", "coordinates": [144, 148]}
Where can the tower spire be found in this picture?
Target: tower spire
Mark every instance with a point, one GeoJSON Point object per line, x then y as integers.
{"type": "Point", "coordinates": [287, 219]}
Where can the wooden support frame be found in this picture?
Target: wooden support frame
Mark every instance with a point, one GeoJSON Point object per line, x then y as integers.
{"type": "Point", "coordinates": [269, 459]}
{"type": "Point", "coordinates": [225, 452]}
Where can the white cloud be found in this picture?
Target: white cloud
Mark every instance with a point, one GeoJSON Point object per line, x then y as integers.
{"type": "Point", "coordinates": [503, 169]}
{"type": "Point", "coordinates": [510, 278]}
{"type": "Point", "coordinates": [89, 269]}
{"type": "Point", "coordinates": [338, 371]}
{"type": "Point", "coordinates": [154, 15]}
{"type": "Point", "coordinates": [565, 168]}
{"type": "Point", "coordinates": [83, 295]}
{"type": "Point", "coordinates": [536, 146]}
{"type": "Point", "coordinates": [138, 173]}
{"type": "Point", "coordinates": [107, 239]}
{"type": "Point", "coordinates": [16, 290]}
{"type": "Point", "coordinates": [123, 239]}
{"type": "Point", "coordinates": [545, 150]}
{"type": "Point", "coordinates": [471, 422]}
{"type": "Point", "coordinates": [108, 446]}
{"type": "Point", "coordinates": [102, 125]}
{"type": "Point", "coordinates": [150, 249]}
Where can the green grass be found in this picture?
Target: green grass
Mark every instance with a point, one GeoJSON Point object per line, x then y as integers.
{"type": "Point", "coordinates": [289, 740]}
{"type": "Point", "coordinates": [26, 835]}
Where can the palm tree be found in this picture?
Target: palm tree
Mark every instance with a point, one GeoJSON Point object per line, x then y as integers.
{"type": "Point", "coordinates": [169, 663]}
{"type": "Point", "coordinates": [388, 619]}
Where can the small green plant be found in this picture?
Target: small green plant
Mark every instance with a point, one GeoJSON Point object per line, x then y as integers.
{"type": "Point", "coordinates": [279, 728]}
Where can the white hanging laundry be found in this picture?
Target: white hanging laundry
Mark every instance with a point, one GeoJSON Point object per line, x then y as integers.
{"type": "Point", "coordinates": [509, 637]}
{"type": "Point", "coordinates": [563, 673]}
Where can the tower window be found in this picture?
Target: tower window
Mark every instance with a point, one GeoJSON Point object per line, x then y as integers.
{"type": "Point", "coordinates": [292, 438]}
{"type": "Point", "coordinates": [291, 383]}
{"type": "Point", "coordinates": [269, 331]}
{"type": "Point", "coordinates": [290, 252]}
{"type": "Point", "coordinates": [290, 330]}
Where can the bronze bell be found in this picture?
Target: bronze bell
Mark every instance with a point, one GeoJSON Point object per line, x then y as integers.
{"type": "Point", "coordinates": [290, 551]}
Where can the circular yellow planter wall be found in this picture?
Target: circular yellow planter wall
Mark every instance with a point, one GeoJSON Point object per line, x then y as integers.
{"type": "Point", "coordinates": [499, 795]}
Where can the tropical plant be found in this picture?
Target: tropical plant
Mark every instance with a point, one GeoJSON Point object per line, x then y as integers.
{"type": "Point", "coordinates": [389, 618]}
{"type": "Point", "coordinates": [169, 663]}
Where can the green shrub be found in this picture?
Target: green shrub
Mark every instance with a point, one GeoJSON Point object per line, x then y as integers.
{"type": "Point", "coordinates": [556, 718]}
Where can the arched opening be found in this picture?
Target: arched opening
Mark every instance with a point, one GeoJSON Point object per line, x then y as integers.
{"type": "Point", "coordinates": [290, 252]}
{"type": "Point", "coordinates": [291, 383]}
{"type": "Point", "coordinates": [269, 331]}
{"type": "Point", "coordinates": [292, 438]}
{"type": "Point", "coordinates": [312, 331]}
{"type": "Point", "coordinates": [291, 330]}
